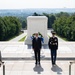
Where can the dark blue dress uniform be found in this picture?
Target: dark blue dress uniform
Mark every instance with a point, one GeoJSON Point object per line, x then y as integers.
{"type": "Point", "coordinates": [36, 45]}
{"type": "Point", "coordinates": [53, 46]}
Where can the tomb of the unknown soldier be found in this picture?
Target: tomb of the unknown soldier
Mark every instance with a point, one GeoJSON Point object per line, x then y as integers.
{"type": "Point", "coordinates": [36, 24]}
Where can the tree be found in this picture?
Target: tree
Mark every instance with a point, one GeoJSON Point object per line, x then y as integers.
{"type": "Point", "coordinates": [2, 29]}
{"type": "Point", "coordinates": [35, 14]}
{"type": "Point", "coordinates": [51, 19]}
{"type": "Point", "coordinates": [65, 27]}
{"type": "Point", "coordinates": [62, 14]}
{"type": "Point", "coordinates": [9, 26]}
{"type": "Point", "coordinates": [24, 24]}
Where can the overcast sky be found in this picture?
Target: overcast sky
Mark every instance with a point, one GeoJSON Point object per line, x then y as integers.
{"type": "Point", "coordinates": [22, 4]}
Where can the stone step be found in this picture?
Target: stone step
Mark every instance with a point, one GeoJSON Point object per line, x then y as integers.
{"type": "Point", "coordinates": [42, 58]}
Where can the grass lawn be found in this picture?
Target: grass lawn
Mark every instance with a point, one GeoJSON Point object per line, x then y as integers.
{"type": "Point", "coordinates": [48, 36]}
{"type": "Point", "coordinates": [22, 39]}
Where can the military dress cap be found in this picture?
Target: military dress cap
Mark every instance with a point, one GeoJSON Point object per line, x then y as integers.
{"type": "Point", "coordinates": [53, 32]}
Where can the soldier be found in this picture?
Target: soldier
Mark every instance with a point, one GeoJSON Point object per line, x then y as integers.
{"type": "Point", "coordinates": [53, 46]}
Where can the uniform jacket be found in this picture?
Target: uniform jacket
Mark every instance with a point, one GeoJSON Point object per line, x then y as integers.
{"type": "Point", "coordinates": [53, 43]}
{"type": "Point", "coordinates": [36, 44]}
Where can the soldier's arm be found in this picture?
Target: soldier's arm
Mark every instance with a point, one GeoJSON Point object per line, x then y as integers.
{"type": "Point", "coordinates": [57, 43]}
{"type": "Point", "coordinates": [49, 43]}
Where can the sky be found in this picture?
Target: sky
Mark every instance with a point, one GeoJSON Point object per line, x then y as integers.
{"type": "Point", "coordinates": [23, 4]}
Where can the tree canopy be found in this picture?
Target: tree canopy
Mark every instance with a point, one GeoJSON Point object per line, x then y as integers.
{"type": "Point", "coordinates": [9, 26]}
{"type": "Point", "coordinates": [65, 27]}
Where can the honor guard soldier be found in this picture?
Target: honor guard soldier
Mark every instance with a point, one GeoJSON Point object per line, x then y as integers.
{"type": "Point", "coordinates": [53, 46]}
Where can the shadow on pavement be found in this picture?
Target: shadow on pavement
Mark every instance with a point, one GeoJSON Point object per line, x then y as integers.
{"type": "Point", "coordinates": [41, 56]}
{"type": "Point", "coordinates": [57, 69]}
{"type": "Point", "coordinates": [29, 46]}
{"type": "Point", "coordinates": [38, 69]}
{"type": "Point", "coordinates": [45, 46]}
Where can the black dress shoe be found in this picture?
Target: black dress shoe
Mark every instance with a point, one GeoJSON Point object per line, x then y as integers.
{"type": "Point", "coordinates": [54, 64]}
{"type": "Point", "coordinates": [39, 63]}
{"type": "Point", "coordinates": [36, 63]}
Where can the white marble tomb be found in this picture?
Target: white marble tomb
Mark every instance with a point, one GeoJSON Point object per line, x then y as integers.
{"type": "Point", "coordinates": [36, 24]}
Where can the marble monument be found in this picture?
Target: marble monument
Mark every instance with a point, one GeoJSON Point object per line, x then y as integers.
{"type": "Point", "coordinates": [36, 24]}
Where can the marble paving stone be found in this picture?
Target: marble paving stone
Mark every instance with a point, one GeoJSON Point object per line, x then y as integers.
{"type": "Point", "coordinates": [10, 49]}
{"type": "Point", "coordinates": [9, 54]}
{"type": "Point", "coordinates": [29, 68]}
{"type": "Point", "coordinates": [25, 67]}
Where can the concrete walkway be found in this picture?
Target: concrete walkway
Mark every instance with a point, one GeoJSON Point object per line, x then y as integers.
{"type": "Point", "coordinates": [19, 59]}
{"type": "Point", "coordinates": [19, 37]}
{"type": "Point", "coordinates": [29, 68]}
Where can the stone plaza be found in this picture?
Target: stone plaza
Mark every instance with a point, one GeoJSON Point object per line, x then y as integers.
{"type": "Point", "coordinates": [19, 59]}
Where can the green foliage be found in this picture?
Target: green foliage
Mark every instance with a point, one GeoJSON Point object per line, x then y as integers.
{"type": "Point", "coordinates": [65, 27]}
{"type": "Point", "coordinates": [9, 27]}
{"type": "Point", "coordinates": [51, 19]}
{"type": "Point", "coordinates": [62, 14]}
{"type": "Point", "coordinates": [23, 21]}
{"type": "Point", "coordinates": [36, 14]}
{"type": "Point", "coordinates": [24, 24]}
{"type": "Point", "coordinates": [2, 29]}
